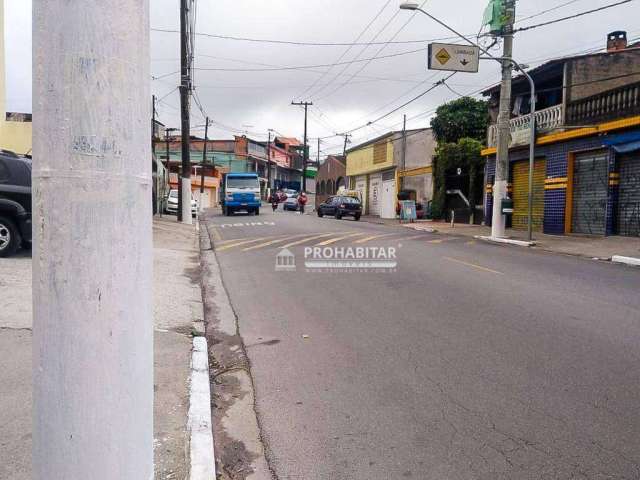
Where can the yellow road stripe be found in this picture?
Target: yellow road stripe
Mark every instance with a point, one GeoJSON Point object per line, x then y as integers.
{"type": "Point", "coordinates": [271, 242]}
{"type": "Point", "coordinates": [224, 242]}
{"type": "Point", "coordinates": [374, 237]}
{"type": "Point", "coordinates": [473, 265]}
{"type": "Point", "coordinates": [415, 237]}
{"type": "Point", "coordinates": [334, 240]}
{"type": "Point", "coordinates": [216, 234]}
{"type": "Point", "coordinates": [308, 239]}
{"type": "Point", "coordinates": [470, 242]}
{"type": "Point", "coordinates": [239, 244]}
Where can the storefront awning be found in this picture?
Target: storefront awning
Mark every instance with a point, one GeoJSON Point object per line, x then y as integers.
{"type": "Point", "coordinates": [627, 147]}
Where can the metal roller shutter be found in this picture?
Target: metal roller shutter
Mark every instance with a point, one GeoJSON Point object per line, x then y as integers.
{"type": "Point", "coordinates": [590, 187]}
{"type": "Point", "coordinates": [521, 194]}
{"type": "Point", "coordinates": [629, 198]}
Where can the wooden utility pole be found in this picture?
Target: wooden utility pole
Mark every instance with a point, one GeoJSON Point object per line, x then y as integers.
{"type": "Point", "coordinates": [305, 154]}
{"type": "Point", "coordinates": [347, 136]}
{"type": "Point", "coordinates": [204, 160]}
{"type": "Point", "coordinates": [184, 185]}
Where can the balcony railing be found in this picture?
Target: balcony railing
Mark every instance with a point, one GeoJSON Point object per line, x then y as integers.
{"type": "Point", "coordinates": [546, 120]}
{"type": "Point", "coordinates": [618, 103]}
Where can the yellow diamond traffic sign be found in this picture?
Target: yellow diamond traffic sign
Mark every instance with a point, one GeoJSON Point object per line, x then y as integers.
{"type": "Point", "coordinates": [443, 56]}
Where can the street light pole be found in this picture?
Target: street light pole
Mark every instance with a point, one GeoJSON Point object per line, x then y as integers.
{"type": "Point", "coordinates": [498, 230]}
{"type": "Point", "coordinates": [92, 249]}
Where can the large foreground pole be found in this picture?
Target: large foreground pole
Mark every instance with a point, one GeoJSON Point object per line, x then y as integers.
{"type": "Point", "coordinates": [92, 255]}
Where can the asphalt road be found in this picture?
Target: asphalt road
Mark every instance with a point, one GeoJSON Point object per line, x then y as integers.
{"type": "Point", "coordinates": [468, 361]}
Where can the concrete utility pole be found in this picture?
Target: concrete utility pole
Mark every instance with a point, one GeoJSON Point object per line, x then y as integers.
{"type": "Point", "coordinates": [92, 252]}
{"type": "Point", "coordinates": [404, 151]}
{"type": "Point", "coordinates": [268, 192]}
{"type": "Point", "coordinates": [305, 155]}
{"type": "Point", "coordinates": [504, 130]}
{"type": "Point", "coordinates": [184, 207]}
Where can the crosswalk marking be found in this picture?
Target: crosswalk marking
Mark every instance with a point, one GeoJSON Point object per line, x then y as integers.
{"type": "Point", "coordinates": [308, 239]}
{"type": "Point", "coordinates": [239, 244]}
{"type": "Point", "coordinates": [374, 237]}
{"type": "Point", "coordinates": [337, 239]}
{"type": "Point", "coordinates": [272, 242]}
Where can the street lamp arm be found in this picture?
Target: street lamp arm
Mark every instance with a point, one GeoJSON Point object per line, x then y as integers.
{"type": "Point", "coordinates": [452, 30]}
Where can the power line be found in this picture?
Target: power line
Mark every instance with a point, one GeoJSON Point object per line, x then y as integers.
{"type": "Point", "coordinates": [348, 49]}
{"type": "Point", "coordinates": [305, 44]}
{"type": "Point", "coordinates": [305, 67]}
{"type": "Point", "coordinates": [361, 52]}
{"type": "Point", "coordinates": [385, 45]}
{"type": "Point", "coordinates": [557, 20]}
{"type": "Point", "coordinates": [557, 7]}
{"type": "Point", "coordinates": [433, 87]}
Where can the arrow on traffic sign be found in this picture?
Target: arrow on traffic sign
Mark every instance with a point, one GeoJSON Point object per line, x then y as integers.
{"type": "Point", "coordinates": [464, 62]}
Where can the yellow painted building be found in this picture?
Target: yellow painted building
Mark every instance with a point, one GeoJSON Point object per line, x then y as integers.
{"type": "Point", "coordinates": [372, 171]}
{"type": "Point", "coordinates": [14, 136]}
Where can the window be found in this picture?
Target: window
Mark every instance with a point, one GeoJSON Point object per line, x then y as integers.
{"type": "Point", "coordinates": [22, 174]}
{"type": "Point", "coordinates": [5, 173]}
{"type": "Point", "coordinates": [242, 182]}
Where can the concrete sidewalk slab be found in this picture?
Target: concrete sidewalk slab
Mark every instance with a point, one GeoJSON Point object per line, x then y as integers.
{"type": "Point", "coordinates": [177, 308]}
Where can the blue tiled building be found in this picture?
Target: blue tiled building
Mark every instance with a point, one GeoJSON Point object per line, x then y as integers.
{"type": "Point", "coordinates": [587, 161]}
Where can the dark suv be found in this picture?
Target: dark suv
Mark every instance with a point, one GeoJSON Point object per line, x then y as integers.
{"type": "Point", "coordinates": [15, 202]}
{"type": "Point", "coordinates": [341, 206]}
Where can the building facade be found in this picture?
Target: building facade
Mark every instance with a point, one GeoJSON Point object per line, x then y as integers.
{"type": "Point", "coordinates": [396, 161]}
{"type": "Point", "coordinates": [587, 168]}
{"type": "Point", "coordinates": [332, 175]}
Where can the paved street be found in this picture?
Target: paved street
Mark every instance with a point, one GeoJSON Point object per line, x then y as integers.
{"type": "Point", "coordinates": [469, 361]}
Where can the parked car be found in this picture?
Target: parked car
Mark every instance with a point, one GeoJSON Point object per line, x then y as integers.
{"type": "Point", "coordinates": [15, 203]}
{"type": "Point", "coordinates": [172, 204]}
{"type": "Point", "coordinates": [341, 206]}
{"type": "Point", "coordinates": [290, 193]}
{"type": "Point", "coordinates": [291, 204]}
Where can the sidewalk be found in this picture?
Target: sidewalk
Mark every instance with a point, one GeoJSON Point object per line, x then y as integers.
{"type": "Point", "coordinates": [177, 305]}
{"type": "Point", "coordinates": [581, 245]}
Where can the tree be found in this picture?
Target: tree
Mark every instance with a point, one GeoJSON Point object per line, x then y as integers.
{"type": "Point", "coordinates": [464, 154]}
{"type": "Point", "coordinates": [461, 118]}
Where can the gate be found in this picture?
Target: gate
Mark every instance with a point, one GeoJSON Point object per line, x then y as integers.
{"type": "Point", "coordinates": [521, 194]}
{"type": "Point", "coordinates": [590, 188]}
{"type": "Point", "coordinates": [629, 197]}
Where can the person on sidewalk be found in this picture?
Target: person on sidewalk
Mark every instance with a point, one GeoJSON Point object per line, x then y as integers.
{"type": "Point", "coordinates": [302, 201]}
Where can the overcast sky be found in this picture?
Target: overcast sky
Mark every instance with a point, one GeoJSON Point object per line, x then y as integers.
{"type": "Point", "coordinates": [344, 96]}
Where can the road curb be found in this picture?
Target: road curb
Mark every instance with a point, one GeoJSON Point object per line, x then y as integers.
{"type": "Point", "coordinates": [202, 455]}
{"type": "Point", "coordinates": [507, 241]}
{"type": "Point", "coordinates": [626, 260]}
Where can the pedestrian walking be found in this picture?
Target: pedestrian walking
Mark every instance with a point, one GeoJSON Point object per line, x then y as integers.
{"type": "Point", "coordinates": [302, 201]}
